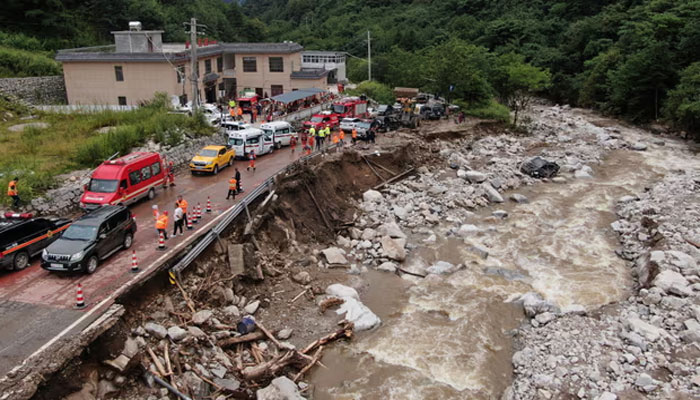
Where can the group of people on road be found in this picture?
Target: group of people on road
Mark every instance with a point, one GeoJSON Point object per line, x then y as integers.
{"type": "Point", "coordinates": [179, 218]}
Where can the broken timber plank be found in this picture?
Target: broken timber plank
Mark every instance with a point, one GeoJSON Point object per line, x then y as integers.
{"type": "Point", "coordinates": [394, 179]}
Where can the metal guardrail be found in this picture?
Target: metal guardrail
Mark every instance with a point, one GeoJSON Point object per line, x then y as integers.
{"type": "Point", "coordinates": [214, 232]}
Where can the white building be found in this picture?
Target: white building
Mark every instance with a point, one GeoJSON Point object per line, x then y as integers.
{"type": "Point", "coordinates": [333, 61]}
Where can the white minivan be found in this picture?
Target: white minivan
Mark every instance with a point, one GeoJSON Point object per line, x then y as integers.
{"type": "Point", "coordinates": [229, 125]}
{"type": "Point", "coordinates": [281, 131]}
{"type": "Point", "coordinates": [255, 139]}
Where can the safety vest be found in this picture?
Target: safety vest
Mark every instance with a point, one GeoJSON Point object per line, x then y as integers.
{"type": "Point", "coordinates": [342, 134]}
{"type": "Point", "coordinates": [335, 139]}
{"type": "Point", "coordinates": [162, 222]}
{"type": "Point", "coordinates": [312, 131]}
{"type": "Point", "coordinates": [321, 132]}
{"type": "Point", "coordinates": [311, 141]}
{"type": "Point", "coordinates": [232, 183]}
{"type": "Point", "coordinates": [240, 111]}
{"type": "Point", "coordinates": [183, 204]}
{"type": "Point", "coordinates": [232, 103]}
{"type": "Point", "coordinates": [354, 133]}
{"type": "Point", "coordinates": [328, 131]}
{"type": "Point", "coordinates": [12, 188]}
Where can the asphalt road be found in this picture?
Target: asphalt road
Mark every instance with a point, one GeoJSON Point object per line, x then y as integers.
{"type": "Point", "coordinates": [36, 305]}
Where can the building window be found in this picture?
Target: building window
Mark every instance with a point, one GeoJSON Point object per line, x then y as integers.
{"type": "Point", "coordinates": [119, 73]}
{"type": "Point", "coordinates": [219, 64]}
{"type": "Point", "coordinates": [250, 64]}
{"type": "Point", "coordinates": [180, 73]}
{"type": "Point", "coordinates": [207, 67]}
{"type": "Point", "coordinates": [276, 90]}
{"type": "Point", "coordinates": [276, 64]}
{"type": "Point", "coordinates": [121, 100]}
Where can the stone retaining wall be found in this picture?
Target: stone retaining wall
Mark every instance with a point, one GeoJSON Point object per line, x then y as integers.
{"type": "Point", "coordinates": [36, 90]}
{"type": "Point", "coordinates": [65, 199]}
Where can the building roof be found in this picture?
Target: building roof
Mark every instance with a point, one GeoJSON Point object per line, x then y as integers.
{"type": "Point", "coordinates": [310, 73]}
{"type": "Point", "coordinates": [324, 53]}
{"type": "Point", "coordinates": [173, 52]}
{"type": "Point", "coordinates": [265, 48]}
{"type": "Point", "coordinates": [295, 95]}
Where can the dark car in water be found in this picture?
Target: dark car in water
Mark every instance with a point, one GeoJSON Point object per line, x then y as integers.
{"type": "Point", "coordinates": [22, 236]}
{"type": "Point", "coordinates": [91, 239]}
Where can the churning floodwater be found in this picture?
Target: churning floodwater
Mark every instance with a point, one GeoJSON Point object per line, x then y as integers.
{"type": "Point", "coordinates": [447, 336]}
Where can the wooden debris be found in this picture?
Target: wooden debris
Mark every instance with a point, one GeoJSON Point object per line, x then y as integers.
{"type": "Point", "coordinates": [411, 273]}
{"type": "Point", "coordinates": [395, 178]}
{"type": "Point", "coordinates": [692, 242]}
{"type": "Point", "coordinates": [159, 366]}
{"type": "Point", "coordinates": [313, 361]}
{"type": "Point", "coordinates": [318, 207]}
{"type": "Point", "coordinates": [241, 339]}
{"type": "Point", "coordinates": [330, 302]}
{"type": "Point", "coordinates": [298, 296]}
{"type": "Point", "coordinates": [269, 368]}
{"type": "Point", "coordinates": [269, 335]}
{"type": "Point", "coordinates": [344, 332]}
{"type": "Point", "coordinates": [381, 178]}
{"type": "Point", "coordinates": [381, 166]}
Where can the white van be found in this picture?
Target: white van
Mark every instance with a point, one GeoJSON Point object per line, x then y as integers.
{"type": "Point", "coordinates": [228, 125]}
{"type": "Point", "coordinates": [255, 139]}
{"type": "Point", "coordinates": [281, 131]}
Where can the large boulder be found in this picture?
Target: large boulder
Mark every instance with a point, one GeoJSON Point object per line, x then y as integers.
{"type": "Point", "coordinates": [391, 229]}
{"type": "Point", "coordinates": [534, 304]}
{"type": "Point", "coordinates": [156, 330]}
{"type": "Point", "coordinates": [475, 176]}
{"type": "Point", "coordinates": [649, 331]}
{"type": "Point", "coordinates": [442, 267]}
{"type": "Point", "coordinates": [372, 196]}
{"type": "Point", "coordinates": [393, 249]}
{"type": "Point", "coordinates": [281, 388]}
{"type": "Point", "coordinates": [335, 255]}
{"type": "Point", "coordinates": [673, 283]}
{"type": "Point", "coordinates": [342, 291]}
{"type": "Point", "coordinates": [491, 193]}
{"type": "Point", "coordinates": [359, 314]}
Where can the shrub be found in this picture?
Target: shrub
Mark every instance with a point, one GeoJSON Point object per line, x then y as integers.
{"type": "Point", "coordinates": [375, 91]}
{"type": "Point", "coordinates": [491, 110]}
{"type": "Point", "coordinates": [21, 63]}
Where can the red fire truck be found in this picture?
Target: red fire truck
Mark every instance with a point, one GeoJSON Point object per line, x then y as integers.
{"type": "Point", "coordinates": [350, 107]}
{"type": "Point", "coordinates": [319, 121]}
{"type": "Point", "coordinates": [247, 102]}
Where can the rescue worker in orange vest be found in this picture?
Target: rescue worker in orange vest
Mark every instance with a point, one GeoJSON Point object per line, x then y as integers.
{"type": "Point", "coordinates": [310, 145]}
{"type": "Point", "coordinates": [182, 203]}
{"type": "Point", "coordinates": [232, 188]}
{"type": "Point", "coordinates": [239, 113]}
{"type": "Point", "coordinates": [293, 143]}
{"type": "Point", "coordinates": [335, 139]}
{"type": "Point", "coordinates": [13, 192]}
{"type": "Point", "coordinates": [341, 136]}
{"type": "Point", "coordinates": [251, 157]}
{"type": "Point", "coordinates": [354, 135]}
{"type": "Point", "coordinates": [162, 224]}
{"type": "Point", "coordinates": [171, 173]}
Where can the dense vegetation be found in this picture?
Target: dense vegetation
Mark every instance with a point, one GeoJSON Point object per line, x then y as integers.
{"type": "Point", "coordinates": [633, 58]}
{"type": "Point", "coordinates": [626, 57]}
{"type": "Point", "coordinates": [75, 141]}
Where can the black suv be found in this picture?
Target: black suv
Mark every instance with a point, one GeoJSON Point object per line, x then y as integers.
{"type": "Point", "coordinates": [22, 237]}
{"type": "Point", "coordinates": [90, 239]}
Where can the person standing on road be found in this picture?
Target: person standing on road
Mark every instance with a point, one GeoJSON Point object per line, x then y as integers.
{"type": "Point", "coordinates": [179, 220]}
{"type": "Point", "coordinates": [237, 177]}
{"type": "Point", "coordinates": [13, 192]}
{"type": "Point", "coordinates": [251, 157]}
{"type": "Point", "coordinates": [341, 136]}
{"type": "Point", "coordinates": [354, 135]}
{"type": "Point", "coordinates": [293, 143]}
{"type": "Point", "coordinates": [310, 146]}
{"type": "Point", "coordinates": [182, 203]}
{"type": "Point", "coordinates": [232, 187]}
{"type": "Point", "coordinates": [162, 224]}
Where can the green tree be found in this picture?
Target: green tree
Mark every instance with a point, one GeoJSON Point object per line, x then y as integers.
{"type": "Point", "coordinates": [683, 105]}
{"type": "Point", "coordinates": [517, 82]}
{"type": "Point", "coordinates": [375, 91]}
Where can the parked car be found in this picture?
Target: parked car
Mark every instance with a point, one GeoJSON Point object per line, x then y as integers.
{"type": "Point", "coordinates": [228, 125]}
{"type": "Point", "coordinates": [384, 109]}
{"type": "Point", "coordinates": [347, 124]}
{"type": "Point", "coordinates": [91, 239]}
{"type": "Point", "coordinates": [387, 123]}
{"type": "Point", "coordinates": [363, 128]}
{"type": "Point", "coordinates": [22, 237]}
{"type": "Point", "coordinates": [212, 159]}
{"type": "Point", "coordinates": [124, 180]}
{"type": "Point", "coordinates": [432, 111]}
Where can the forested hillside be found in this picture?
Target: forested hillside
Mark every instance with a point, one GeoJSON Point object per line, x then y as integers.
{"type": "Point", "coordinates": [633, 58]}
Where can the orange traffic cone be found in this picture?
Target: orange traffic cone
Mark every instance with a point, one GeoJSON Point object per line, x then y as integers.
{"type": "Point", "coordinates": [199, 211]}
{"type": "Point", "coordinates": [208, 204]}
{"type": "Point", "coordinates": [161, 242]}
{"type": "Point", "coordinates": [189, 222]}
{"type": "Point", "coordinates": [134, 263]}
{"type": "Point", "coordinates": [79, 299]}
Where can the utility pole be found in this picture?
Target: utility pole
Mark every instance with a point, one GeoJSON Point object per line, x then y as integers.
{"type": "Point", "coordinates": [194, 64]}
{"type": "Point", "coordinates": [369, 57]}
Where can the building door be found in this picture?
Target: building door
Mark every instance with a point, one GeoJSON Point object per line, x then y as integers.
{"type": "Point", "coordinates": [259, 91]}
{"type": "Point", "coordinates": [230, 87]}
{"type": "Point", "coordinates": [210, 93]}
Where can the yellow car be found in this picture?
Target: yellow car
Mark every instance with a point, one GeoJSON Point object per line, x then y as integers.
{"type": "Point", "coordinates": [212, 159]}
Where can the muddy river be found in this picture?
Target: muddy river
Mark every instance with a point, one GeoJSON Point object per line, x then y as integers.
{"type": "Point", "coordinates": [447, 337]}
